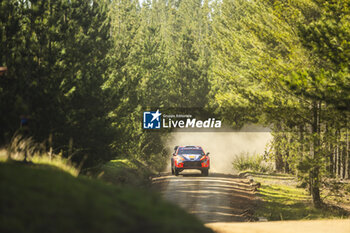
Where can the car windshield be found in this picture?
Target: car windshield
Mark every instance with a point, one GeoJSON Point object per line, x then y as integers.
{"type": "Point", "coordinates": [190, 151]}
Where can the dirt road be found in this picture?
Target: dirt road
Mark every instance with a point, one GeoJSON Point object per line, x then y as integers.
{"type": "Point", "coordinates": [216, 198]}
{"type": "Point", "coordinates": [309, 226]}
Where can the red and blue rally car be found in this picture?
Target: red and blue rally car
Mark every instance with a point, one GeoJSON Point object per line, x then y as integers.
{"type": "Point", "coordinates": [190, 157]}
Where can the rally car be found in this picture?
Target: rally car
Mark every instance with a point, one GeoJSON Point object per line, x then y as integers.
{"type": "Point", "coordinates": [190, 157]}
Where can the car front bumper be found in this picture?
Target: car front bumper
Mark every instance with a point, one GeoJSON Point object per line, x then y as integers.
{"type": "Point", "coordinates": [192, 164]}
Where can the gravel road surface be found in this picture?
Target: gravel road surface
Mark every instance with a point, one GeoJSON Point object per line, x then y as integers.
{"type": "Point", "coordinates": [216, 198]}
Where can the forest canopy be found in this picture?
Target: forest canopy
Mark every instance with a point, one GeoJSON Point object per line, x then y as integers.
{"type": "Point", "coordinates": [81, 73]}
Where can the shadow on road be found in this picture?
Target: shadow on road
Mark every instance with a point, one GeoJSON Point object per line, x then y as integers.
{"type": "Point", "coordinates": [214, 198]}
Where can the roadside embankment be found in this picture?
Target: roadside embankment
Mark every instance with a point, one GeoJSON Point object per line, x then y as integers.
{"type": "Point", "coordinates": [43, 198]}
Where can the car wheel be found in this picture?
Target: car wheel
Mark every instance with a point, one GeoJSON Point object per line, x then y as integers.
{"type": "Point", "coordinates": [172, 168]}
{"type": "Point", "coordinates": [205, 172]}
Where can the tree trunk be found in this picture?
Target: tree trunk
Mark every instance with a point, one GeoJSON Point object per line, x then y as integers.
{"type": "Point", "coordinates": [278, 156]}
{"type": "Point", "coordinates": [334, 173]}
{"type": "Point", "coordinates": [286, 164]}
{"type": "Point", "coordinates": [329, 151]}
{"type": "Point", "coordinates": [341, 159]}
{"type": "Point", "coordinates": [279, 162]}
{"type": "Point", "coordinates": [314, 173]}
{"type": "Point", "coordinates": [337, 157]}
{"type": "Point", "coordinates": [346, 175]}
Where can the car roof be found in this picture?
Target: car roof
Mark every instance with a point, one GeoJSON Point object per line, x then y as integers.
{"type": "Point", "coordinates": [190, 147]}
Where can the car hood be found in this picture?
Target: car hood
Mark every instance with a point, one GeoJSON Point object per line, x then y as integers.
{"type": "Point", "coordinates": [191, 157]}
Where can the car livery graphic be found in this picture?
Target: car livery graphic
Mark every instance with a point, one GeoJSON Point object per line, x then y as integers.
{"type": "Point", "coordinates": [190, 157]}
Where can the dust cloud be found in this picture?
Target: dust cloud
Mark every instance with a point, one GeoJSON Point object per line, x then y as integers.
{"type": "Point", "coordinates": [222, 145]}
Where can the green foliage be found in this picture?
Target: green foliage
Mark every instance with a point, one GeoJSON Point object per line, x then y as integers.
{"type": "Point", "coordinates": [285, 64]}
{"type": "Point", "coordinates": [84, 71]}
{"type": "Point", "coordinates": [55, 52]}
{"type": "Point", "coordinates": [246, 161]}
{"type": "Point", "coordinates": [158, 60]}
{"type": "Point", "coordinates": [327, 37]}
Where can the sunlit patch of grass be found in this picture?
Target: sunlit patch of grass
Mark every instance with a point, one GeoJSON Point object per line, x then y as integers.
{"type": "Point", "coordinates": [3, 155]}
{"type": "Point", "coordinates": [121, 163]}
{"type": "Point", "coordinates": [26, 150]}
{"type": "Point", "coordinates": [287, 202]}
{"type": "Point", "coordinates": [283, 193]}
{"type": "Point", "coordinates": [57, 161]}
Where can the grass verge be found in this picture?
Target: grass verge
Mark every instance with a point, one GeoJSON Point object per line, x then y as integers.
{"type": "Point", "coordinates": [280, 199]}
{"type": "Point", "coordinates": [44, 158]}
{"type": "Point", "coordinates": [123, 171]}
{"type": "Point", "coordinates": [42, 198]}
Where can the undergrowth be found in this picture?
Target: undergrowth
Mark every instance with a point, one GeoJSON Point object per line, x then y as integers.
{"type": "Point", "coordinates": [25, 149]}
{"type": "Point", "coordinates": [282, 200]}
{"type": "Point", "coordinates": [245, 161]}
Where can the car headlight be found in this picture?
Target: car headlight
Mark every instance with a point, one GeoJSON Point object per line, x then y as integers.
{"type": "Point", "coordinates": [180, 159]}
